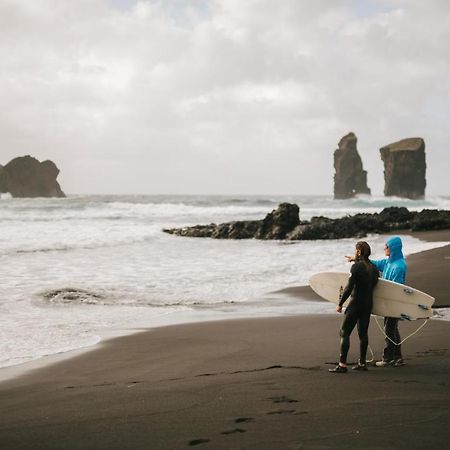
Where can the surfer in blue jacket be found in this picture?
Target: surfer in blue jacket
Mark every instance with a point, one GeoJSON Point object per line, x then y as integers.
{"type": "Point", "coordinates": [362, 281]}
{"type": "Point", "coordinates": [392, 268]}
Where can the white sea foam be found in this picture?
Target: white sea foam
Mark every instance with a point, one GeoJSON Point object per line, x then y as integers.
{"type": "Point", "coordinates": [74, 267]}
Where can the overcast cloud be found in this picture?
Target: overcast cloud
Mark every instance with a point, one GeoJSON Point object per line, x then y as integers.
{"type": "Point", "coordinates": [221, 96]}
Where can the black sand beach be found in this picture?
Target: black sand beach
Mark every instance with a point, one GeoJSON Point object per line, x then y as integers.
{"type": "Point", "coordinates": [242, 384]}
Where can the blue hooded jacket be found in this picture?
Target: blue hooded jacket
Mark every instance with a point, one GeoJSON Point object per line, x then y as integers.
{"type": "Point", "coordinates": [393, 268]}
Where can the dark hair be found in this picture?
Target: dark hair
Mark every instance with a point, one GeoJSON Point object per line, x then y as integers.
{"type": "Point", "coordinates": [364, 250]}
{"type": "Point", "coordinates": [364, 253]}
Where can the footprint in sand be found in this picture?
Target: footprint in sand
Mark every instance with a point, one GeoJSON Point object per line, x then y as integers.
{"type": "Point", "coordinates": [291, 412]}
{"type": "Point", "coordinates": [235, 430]}
{"type": "Point", "coordinates": [105, 383]}
{"type": "Point", "coordinates": [244, 419]}
{"type": "Point", "coordinates": [282, 399]}
{"type": "Point", "coordinates": [281, 412]}
{"type": "Point", "coordinates": [198, 441]}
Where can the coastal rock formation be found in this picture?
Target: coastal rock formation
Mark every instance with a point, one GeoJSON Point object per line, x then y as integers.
{"type": "Point", "coordinates": [350, 178]}
{"type": "Point", "coordinates": [279, 222]}
{"type": "Point", "coordinates": [284, 223]}
{"type": "Point", "coordinates": [276, 225]}
{"type": "Point", "coordinates": [25, 176]}
{"type": "Point", "coordinates": [404, 168]}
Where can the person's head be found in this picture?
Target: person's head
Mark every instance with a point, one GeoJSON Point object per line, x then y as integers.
{"type": "Point", "coordinates": [362, 250]}
{"type": "Point", "coordinates": [393, 248]}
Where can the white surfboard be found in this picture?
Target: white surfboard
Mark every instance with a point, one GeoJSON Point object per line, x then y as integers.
{"type": "Point", "coordinates": [389, 299]}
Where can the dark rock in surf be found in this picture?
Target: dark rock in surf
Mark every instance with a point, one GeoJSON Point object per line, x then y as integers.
{"type": "Point", "coordinates": [283, 223]}
{"type": "Point", "coordinates": [396, 217]}
{"type": "Point", "coordinates": [276, 225]}
{"type": "Point", "coordinates": [359, 225]}
{"type": "Point", "coordinates": [72, 295]}
{"type": "Point", "coordinates": [404, 168]}
{"type": "Point", "coordinates": [350, 179]}
{"type": "Point", "coordinates": [25, 176]}
{"type": "Point", "coordinates": [280, 222]}
{"type": "Point", "coordinates": [431, 219]}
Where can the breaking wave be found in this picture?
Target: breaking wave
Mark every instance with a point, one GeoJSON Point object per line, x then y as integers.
{"type": "Point", "coordinates": [79, 296]}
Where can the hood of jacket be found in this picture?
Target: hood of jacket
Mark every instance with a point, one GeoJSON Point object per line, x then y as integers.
{"type": "Point", "coordinates": [395, 247]}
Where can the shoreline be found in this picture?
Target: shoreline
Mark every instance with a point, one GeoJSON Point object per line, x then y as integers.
{"type": "Point", "coordinates": [239, 383]}
{"type": "Point", "coordinates": [416, 263]}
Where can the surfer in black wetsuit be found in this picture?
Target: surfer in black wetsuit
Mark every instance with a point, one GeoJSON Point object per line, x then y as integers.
{"type": "Point", "coordinates": [362, 281]}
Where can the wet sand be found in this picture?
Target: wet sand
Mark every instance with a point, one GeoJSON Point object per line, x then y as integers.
{"type": "Point", "coordinates": [241, 384]}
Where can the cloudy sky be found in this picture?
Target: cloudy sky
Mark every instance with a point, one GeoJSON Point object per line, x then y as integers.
{"type": "Point", "coordinates": [221, 96]}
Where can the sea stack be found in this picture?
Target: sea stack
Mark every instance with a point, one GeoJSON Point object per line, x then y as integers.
{"type": "Point", "coordinates": [404, 168]}
{"type": "Point", "coordinates": [350, 179]}
{"type": "Point", "coordinates": [25, 176]}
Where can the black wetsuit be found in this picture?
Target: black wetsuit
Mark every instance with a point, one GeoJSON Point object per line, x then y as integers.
{"type": "Point", "coordinates": [362, 281]}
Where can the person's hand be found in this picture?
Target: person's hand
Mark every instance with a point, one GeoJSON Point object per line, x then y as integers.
{"type": "Point", "coordinates": [350, 258]}
{"type": "Point", "coordinates": [339, 308]}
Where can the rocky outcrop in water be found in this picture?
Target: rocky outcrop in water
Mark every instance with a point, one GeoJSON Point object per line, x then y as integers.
{"type": "Point", "coordinates": [279, 223]}
{"type": "Point", "coordinates": [350, 179]}
{"type": "Point", "coordinates": [25, 176]}
{"type": "Point", "coordinates": [284, 223]}
{"type": "Point", "coordinates": [73, 296]}
{"type": "Point", "coordinates": [276, 225]}
{"type": "Point", "coordinates": [404, 168]}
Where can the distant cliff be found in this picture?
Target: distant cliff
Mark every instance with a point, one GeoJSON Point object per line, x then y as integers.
{"type": "Point", "coordinates": [25, 176]}
{"type": "Point", "coordinates": [350, 178]}
{"type": "Point", "coordinates": [404, 168]}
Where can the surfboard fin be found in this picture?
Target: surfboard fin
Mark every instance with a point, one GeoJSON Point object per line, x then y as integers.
{"type": "Point", "coordinates": [425, 307]}
{"type": "Point", "coordinates": [405, 317]}
{"type": "Point", "coordinates": [408, 291]}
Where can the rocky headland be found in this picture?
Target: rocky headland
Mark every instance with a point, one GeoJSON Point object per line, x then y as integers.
{"type": "Point", "coordinates": [25, 176]}
{"type": "Point", "coordinates": [284, 223]}
{"type": "Point", "coordinates": [350, 179]}
{"type": "Point", "coordinates": [404, 168]}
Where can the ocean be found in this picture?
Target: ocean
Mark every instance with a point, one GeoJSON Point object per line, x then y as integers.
{"type": "Point", "coordinates": [80, 268]}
